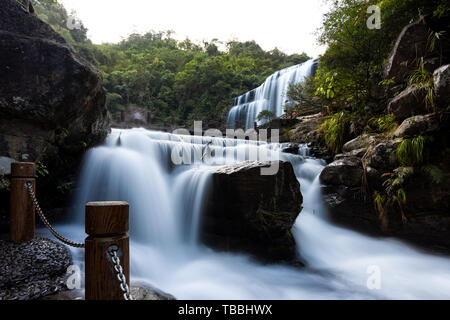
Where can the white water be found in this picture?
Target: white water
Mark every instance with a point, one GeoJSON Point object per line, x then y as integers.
{"type": "Point", "coordinates": [165, 208]}
{"type": "Point", "coordinates": [271, 95]}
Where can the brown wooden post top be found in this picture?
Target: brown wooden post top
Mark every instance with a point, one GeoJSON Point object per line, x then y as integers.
{"type": "Point", "coordinates": [107, 218]}
{"type": "Point", "coordinates": [23, 170]}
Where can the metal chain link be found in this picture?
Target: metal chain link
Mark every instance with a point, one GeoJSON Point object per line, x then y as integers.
{"type": "Point", "coordinates": [112, 251]}
{"type": "Point", "coordinates": [29, 187]}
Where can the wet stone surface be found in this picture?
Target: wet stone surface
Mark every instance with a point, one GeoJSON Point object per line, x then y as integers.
{"type": "Point", "coordinates": [33, 269]}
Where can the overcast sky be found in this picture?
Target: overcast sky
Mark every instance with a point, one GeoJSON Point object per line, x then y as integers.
{"type": "Point", "coordinates": [286, 24]}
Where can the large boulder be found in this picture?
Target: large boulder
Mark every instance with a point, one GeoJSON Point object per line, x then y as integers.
{"type": "Point", "coordinates": [52, 104]}
{"type": "Point", "coordinates": [411, 43]}
{"type": "Point", "coordinates": [361, 142]}
{"type": "Point", "coordinates": [253, 213]}
{"type": "Point", "coordinates": [441, 78]}
{"type": "Point", "coordinates": [347, 171]}
{"type": "Point", "coordinates": [418, 125]}
{"type": "Point", "coordinates": [32, 269]}
{"type": "Point", "coordinates": [409, 102]}
{"type": "Point", "coordinates": [384, 155]}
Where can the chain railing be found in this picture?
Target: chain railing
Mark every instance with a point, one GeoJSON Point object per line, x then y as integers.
{"type": "Point", "coordinates": [112, 251]}
{"type": "Point", "coordinates": [29, 187]}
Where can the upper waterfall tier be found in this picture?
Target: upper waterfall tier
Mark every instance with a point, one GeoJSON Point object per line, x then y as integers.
{"type": "Point", "coordinates": [271, 95]}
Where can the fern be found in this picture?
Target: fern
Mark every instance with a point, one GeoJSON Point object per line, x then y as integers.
{"type": "Point", "coordinates": [423, 79]}
{"type": "Point", "coordinates": [333, 130]}
{"type": "Point", "coordinates": [410, 151]}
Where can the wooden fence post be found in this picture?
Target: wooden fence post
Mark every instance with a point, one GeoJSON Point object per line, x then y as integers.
{"type": "Point", "coordinates": [22, 219]}
{"type": "Point", "coordinates": [106, 225]}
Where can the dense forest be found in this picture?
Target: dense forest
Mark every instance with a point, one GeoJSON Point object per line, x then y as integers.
{"type": "Point", "coordinates": [183, 79]}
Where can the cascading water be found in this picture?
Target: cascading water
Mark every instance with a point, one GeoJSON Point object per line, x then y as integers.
{"type": "Point", "coordinates": [271, 95]}
{"type": "Point", "coordinates": [165, 209]}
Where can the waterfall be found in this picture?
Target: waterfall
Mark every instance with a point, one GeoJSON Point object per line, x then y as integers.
{"type": "Point", "coordinates": [166, 203]}
{"type": "Point", "coordinates": [271, 95]}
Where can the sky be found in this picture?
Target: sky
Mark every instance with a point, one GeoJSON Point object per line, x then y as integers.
{"type": "Point", "coordinates": [288, 25]}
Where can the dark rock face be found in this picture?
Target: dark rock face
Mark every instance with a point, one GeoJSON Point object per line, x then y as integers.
{"type": "Point", "coordinates": [384, 155]}
{"type": "Point", "coordinates": [409, 102]}
{"type": "Point", "coordinates": [347, 171]}
{"type": "Point", "coordinates": [305, 132]}
{"type": "Point", "coordinates": [52, 104]}
{"type": "Point", "coordinates": [418, 125]}
{"type": "Point", "coordinates": [252, 213]}
{"type": "Point", "coordinates": [441, 78]}
{"type": "Point", "coordinates": [411, 44]}
{"type": "Point", "coordinates": [358, 143]}
{"type": "Point", "coordinates": [33, 269]}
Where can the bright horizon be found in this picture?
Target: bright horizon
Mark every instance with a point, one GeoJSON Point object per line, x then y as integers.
{"type": "Point", "coordinates": [289, 25]}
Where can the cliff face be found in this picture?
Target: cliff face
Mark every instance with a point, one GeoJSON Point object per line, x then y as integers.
{"type": "Point", "coordinates": [52, 104]}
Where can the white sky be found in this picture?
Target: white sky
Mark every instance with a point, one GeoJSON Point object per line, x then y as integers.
{"type": "Point", "coordinates": [286, 24]}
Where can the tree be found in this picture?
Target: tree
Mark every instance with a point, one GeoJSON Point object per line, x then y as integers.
{"type": "Point", "coordinates": [266, 115]}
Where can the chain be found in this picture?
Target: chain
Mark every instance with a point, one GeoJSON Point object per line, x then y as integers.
{"type": "Point", "coordinates": [112, 251]}
{"type": "Point", "coordinates": [29, 187]}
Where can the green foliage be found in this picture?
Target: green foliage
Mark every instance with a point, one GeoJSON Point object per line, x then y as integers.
{"type": "Point", "coordinates": [64, 187]}
{"type": "Point", "coordinates": [169, 77]}
{"type": "Point", "coordinates": [266, 115]}
{"type": "Point", "coordinates": [436, 174]}
{"type": "Point", "coordinates": [383, 124]}
{"type": "Point", "coordinates": [410, 151]}
{"type": "Point", "coordinates": [356, 54]}
{"type": "Point", "coordinates": [41, 169]}
{"type": "Point", "coordinates": [424, 80]}
{"type": "Point", "coordinates": [333, 131]}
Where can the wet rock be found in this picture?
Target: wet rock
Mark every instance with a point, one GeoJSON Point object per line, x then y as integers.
{"type": "Point", "coordinates": [253, 213]}
{"type": "Point", "coordinates": [354, 153]}
{"type": "Point", "coordinates": [411, 43]}
{"type": "Point", "coordinates": [52, 101]}
{"type": "Point", "coordinates": [347, 171]}
{"type": "Point", "coordinates": [33, 269]}
{"type": "Point", "coordinates": [358, 143]}
{"type": "Point", "coordinates": [384, 155]}
{"type": "Point", "coordinates": [140, 291]}
{"type": "Point", "coordinates": [290, 148]}
{"type": "Point", "coordinates": [418, 125]}
{"type": "Point", "coordinates": [409, 102]}
{"type": "Point", "coordinates": [442, 85]}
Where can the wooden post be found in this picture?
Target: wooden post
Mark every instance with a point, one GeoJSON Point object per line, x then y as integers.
{"type": "Point", "coordinates": [255, 126]}
{"type": "Point", "coordinates": [106, 225]}
{"type": "Point", "coordinates": [236, 125]}
{"type": "Point", "coordinates": [22, 219]}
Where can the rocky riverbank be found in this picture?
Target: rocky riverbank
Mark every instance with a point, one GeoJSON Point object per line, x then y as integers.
{"type": "Point", "coordinates": [396, 182]}
{"type": "Point", "coordinates": [33, 269]}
